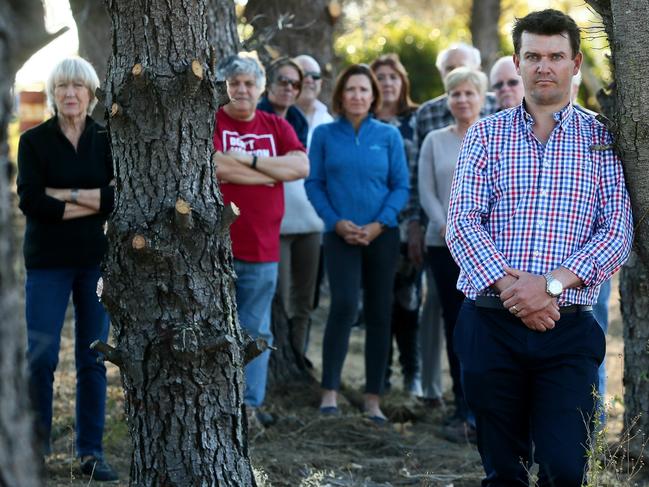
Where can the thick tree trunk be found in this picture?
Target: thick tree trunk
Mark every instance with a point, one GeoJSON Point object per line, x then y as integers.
{"type": "Point", "coordinates": [634, 291]}
{"type": "Point", "coordinates": [22, 32]}
{"type": "Point", "coordinates": [625, 22]}
{"type": "Point", "coordinates": [293, 27]}
{"type": "Point", "coordinates": [169, 282]}
{"type": "Point", "coordinates": [485, 17]}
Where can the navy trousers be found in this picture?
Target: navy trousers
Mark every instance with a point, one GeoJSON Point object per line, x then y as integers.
{"type": "Point", "coordinates": [348, 268]}
{"type": "Point", "coordinates": [531, 392]}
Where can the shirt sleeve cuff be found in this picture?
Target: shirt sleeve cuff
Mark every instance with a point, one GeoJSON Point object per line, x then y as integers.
{"type": "Point", "coordinates": [487, 272]}
{"type": "Point", "coordinates": [585, 268]}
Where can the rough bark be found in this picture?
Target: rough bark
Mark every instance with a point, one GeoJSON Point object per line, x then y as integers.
{"type": "Point", "coordinates": [634, 291]}
{"type": "Point", "coordinates": [168, 277]}
{"type": "Point", "coordinates": [485, 16]}
{"type": "Point", "coordinates": [625, 24]}
{"type": "Point", "coordinates": [293, 27]}
{"type": "Point", "coordinates": [22, 32]}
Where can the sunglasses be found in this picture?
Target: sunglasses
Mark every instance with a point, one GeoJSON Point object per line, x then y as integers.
{"type": "Point", "coordinates": [283, 81]}
{"type": "Point", "coordinates": [510, 82]}
{"type": "Point", "coordinates": [314, 75]}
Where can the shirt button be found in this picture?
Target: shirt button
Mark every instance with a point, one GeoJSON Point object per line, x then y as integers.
{"type": "Point", "coordinates": [537, 253]}
{"type": "Point", "coordinates": [540, 223]}
{"type": "Point", "coordinates": [544, 192]}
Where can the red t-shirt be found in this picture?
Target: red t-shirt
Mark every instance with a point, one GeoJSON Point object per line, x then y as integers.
{"type": "Point", "coordinates": [255, 234]}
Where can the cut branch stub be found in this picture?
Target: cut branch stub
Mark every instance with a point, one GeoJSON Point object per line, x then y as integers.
{"type": "Point", "coordinates": [230, 213]}
{"type": "Point", "coordinates": [197, 69]}
{"type": "Point", "coordinates": [109, 353]}
{"type": "Point", "coordinates": [253, 348]}
{"type": "Point", "coordinates": [115, 110]}
{"type": "Point", "coordinates": [183, 215]}
{"type": "Point", "coordinates": [138, 242]}
{"type": "Point", "coordinates": [137, 70]}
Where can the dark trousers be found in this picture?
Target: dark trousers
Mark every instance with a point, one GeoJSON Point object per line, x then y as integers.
{"type": "Point", "coordinates": [349, 267]}
{"type": "Point", "coordinates": [446, 272]}
{"type": "Point", "coordinates": [47, 292]}
{"type": "Point", "coordinates": [405, 317]}
{"type": "Point", "coordinates": [529, 388]}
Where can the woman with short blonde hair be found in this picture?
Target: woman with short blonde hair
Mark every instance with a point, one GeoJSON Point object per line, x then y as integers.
{"type": "Point", "coordinates": [466, 89]}
{"type": "Point", "coordinates": [65, 173]}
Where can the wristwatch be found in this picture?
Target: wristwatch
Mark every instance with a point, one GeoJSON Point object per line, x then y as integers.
{"type": "Point", "coordinates": [553, 285]}
{"type": "Point", "coordinates": [74, 195]}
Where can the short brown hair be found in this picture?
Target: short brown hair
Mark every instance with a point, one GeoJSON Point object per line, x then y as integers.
{"type": "Point", "coordinates": [391, 60]}
{"type": "Point", "coordinates": [341, 81]}
{"type": "Point", "coordinates": [547, 22]}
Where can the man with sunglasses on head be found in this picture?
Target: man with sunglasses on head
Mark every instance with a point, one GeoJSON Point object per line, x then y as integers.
{"type": "Point", "coordinates": [506, 83]}
{"type": "Point", "coordinates": [314, 110]}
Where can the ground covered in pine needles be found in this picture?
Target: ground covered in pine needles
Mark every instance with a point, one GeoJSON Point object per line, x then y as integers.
{"type": "Point", "coordinates": [306, 449]}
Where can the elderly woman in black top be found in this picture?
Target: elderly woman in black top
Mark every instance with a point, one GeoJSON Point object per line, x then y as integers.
{"type": "Point", "coordinates": [64, 184]}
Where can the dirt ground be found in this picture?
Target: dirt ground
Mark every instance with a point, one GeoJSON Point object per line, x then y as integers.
{"type": "Point", "coordinates": [304, 449]}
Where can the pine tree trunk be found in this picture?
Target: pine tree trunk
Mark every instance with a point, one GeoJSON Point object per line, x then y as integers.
{"type": "Point", "coordinates": [168, 279]}
{"type": "Point", "coordinates": [485, 17]}
{"type": "Point", "coordinates": [625, 22]}
{"type": "Point", "coordinates": [22, 32]}
{"type": "Point", "coordinates": [634, 291]}
{"type": "Point", "coordinates": [293, 27]}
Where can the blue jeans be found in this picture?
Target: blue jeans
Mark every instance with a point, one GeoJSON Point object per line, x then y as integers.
{"type": "Point", "coordinates": [255, 287]}
{"type": "Point", "coordinates": [600, 310]}
{"type": "Point", "coordinates": [47, 293]}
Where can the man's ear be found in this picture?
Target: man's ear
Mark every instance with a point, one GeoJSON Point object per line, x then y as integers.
{"type": "Point", "coordinates": [517, 61]}
{"type": "Point", "coordinates": [579, 58]}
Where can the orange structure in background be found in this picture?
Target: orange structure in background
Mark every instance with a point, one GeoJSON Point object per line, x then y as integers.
{"type": "Point", "coordinates": [32, 108]}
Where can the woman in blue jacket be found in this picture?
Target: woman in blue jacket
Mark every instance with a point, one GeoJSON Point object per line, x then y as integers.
{"type": "Point", "coordinates": [358, 184]}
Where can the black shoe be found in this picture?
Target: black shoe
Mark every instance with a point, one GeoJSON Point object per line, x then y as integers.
{"type": "Point", "coordinates": [97, 469]}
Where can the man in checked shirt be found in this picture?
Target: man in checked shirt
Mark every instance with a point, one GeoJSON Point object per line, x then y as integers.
{"type": "Point", "coordinates": [539, 218]}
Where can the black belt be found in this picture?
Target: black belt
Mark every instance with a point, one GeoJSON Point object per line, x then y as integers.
{"type": "Point", "coordinates": [494, 302]}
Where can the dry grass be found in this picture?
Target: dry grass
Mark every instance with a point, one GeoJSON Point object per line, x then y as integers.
{"type": "Point", "coordinates": [304, 449]}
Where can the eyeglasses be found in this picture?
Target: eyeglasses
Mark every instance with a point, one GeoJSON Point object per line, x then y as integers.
{"type": "Point", "coordinates": [314, 75]}
{"type": "Point", "coordinates": [510, 82]}
{"type": "Point", "coordinates": [283, 81]}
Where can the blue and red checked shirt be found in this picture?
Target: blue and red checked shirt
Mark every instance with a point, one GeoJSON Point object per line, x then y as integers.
{"type": "Point", "coordinates": [516, 202]}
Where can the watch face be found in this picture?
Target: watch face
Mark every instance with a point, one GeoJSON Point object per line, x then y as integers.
{"type": "Point", "coordinates": [555, 287]}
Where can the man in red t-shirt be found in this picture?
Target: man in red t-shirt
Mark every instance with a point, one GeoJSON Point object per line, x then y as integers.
{"type": "Point", "coordinates": [256, 151]}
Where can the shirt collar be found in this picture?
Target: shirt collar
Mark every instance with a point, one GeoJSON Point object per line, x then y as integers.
{"type": "Point", "coordinates": [562, 117]}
